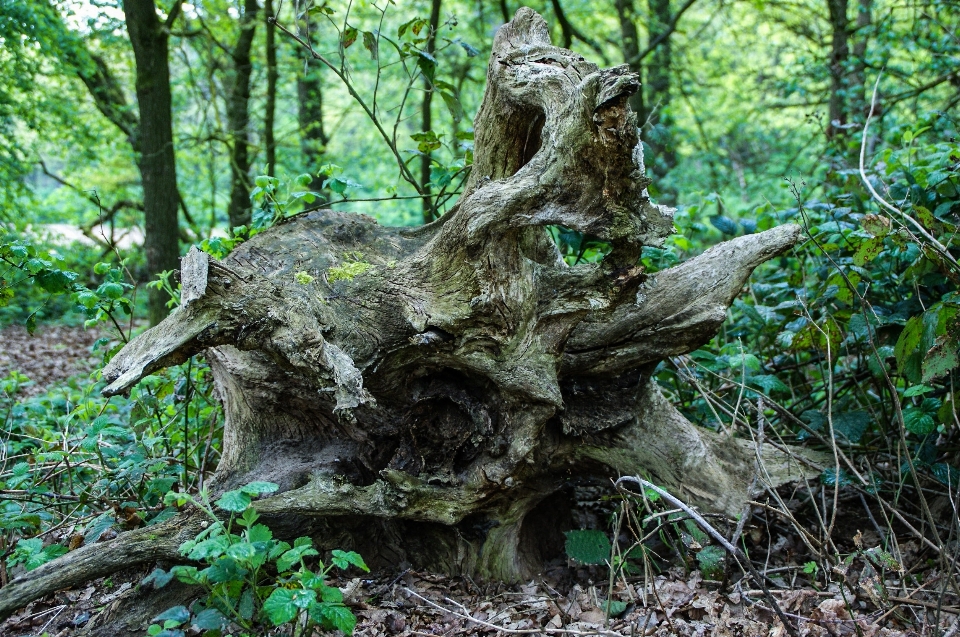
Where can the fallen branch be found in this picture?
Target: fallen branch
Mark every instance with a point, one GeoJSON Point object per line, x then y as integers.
{"type": "Point", "coordinates": [734, 552]}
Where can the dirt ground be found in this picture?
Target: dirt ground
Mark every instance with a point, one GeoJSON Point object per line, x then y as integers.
{"type": "Point", "coordinates": [53, 354]}
{"type": "Point", "coordinates": [566, 599]}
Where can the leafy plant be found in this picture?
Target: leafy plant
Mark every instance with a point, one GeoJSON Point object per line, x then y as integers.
{"type": "Point", "coordinates": [238, 560]}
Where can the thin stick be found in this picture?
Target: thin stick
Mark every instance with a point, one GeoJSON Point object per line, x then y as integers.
{"type": "Point", "coordinates": [511, 631]}
{"type": "Point", "coordinates": [737, 555]}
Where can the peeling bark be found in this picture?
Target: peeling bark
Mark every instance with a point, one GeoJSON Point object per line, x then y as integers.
{"type": "Point", "coordinates": [430, 392]}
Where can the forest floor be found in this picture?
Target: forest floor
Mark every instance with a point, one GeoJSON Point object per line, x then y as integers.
{"type": "Point", "coordinates": [566, 599]}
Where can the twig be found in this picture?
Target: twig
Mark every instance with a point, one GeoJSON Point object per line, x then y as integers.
{"type": "Point", "coordinates": [736, 553]}
{"type": "Point", "coordinates": [511, 631]}
{"type": "Point", "coordinates": [940, 248]}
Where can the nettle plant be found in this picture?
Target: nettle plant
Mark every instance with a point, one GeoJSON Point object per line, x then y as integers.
{"type": "Point", "coordinates": [249, 578]}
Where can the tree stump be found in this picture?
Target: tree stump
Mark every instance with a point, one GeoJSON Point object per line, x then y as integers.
{"type": "Point", "coordinates": [423, 394]}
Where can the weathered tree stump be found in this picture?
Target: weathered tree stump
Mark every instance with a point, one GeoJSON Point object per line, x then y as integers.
{"type": "Point", "coordinates": [431, 389]}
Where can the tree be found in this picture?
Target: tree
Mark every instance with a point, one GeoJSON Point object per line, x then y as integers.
{"type": "Point", "coordinates": [148, 36]}
{"type": "Point", "coordinates": [432, 392]}
{"type": "Point", "coordinates": [238, 117]}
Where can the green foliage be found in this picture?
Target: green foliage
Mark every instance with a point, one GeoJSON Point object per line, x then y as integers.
{"type": "Point", "coordinates": [100, 464]}
{"type": "Point", "coordinates": [249, 578]}
{"type": "Point", "coordinates": [38, 283]}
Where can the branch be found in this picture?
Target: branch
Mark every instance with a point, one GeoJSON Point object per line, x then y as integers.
{"type": "Point", "coordinates": [404, 169]}
{"type": "Point", "coordinates": [741, 559]}
{"type": "Point", "coordinates": [938, 247]}
{"type": "Point", "coordinates": [671, 27]}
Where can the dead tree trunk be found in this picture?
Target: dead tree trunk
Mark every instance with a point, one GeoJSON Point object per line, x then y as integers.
{"type": "Point", "coordinates": [432, 389]}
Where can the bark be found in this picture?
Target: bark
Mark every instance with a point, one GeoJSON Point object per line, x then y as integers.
{"type": "Point", "coordinates": [269, 141]}
{"type": "Point", "coordinates": [238, 118]}
{"type": "Point", "coordinates": [156, 161]}
{"type": "Point", "coordinates": [313, 138]}
{"type": "Point", "coordinates": [431, 393]}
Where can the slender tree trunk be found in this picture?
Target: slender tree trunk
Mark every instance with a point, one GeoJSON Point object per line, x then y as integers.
{"type": "Point", "coordinates": [839, 58]}
{"type": "Point", "coordinates": [271, 104]}
{"type": "Point", "coordinates": [630, 42]}
{"type": "Point", "coordinates": [313, 138]}
{"type": "Point", "coordinates": [859, 100]}
{"type": "Point", "coordinates": [426, 115]}
{"type": "Point", "coordinates": [657, 93]}
{"type": "Point", "coordinates": [148, 36]}
{"type": "Point", "coordinates": [238, 118]}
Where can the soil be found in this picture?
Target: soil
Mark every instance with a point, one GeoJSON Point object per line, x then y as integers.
{"type": "Point", "coordinates": [51, 355]}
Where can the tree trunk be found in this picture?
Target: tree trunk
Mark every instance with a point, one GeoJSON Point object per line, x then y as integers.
{"type": "Point", "coordinates": [630, 42]}
{"type": "Point", "coordinates": [238, 118]}
{"type": "Point", "coordinates": [313, 138]}
{"type": "Point", "coordinates": [432, 402]}
{"type": "Point", "coordinates": [663, 155]}
{"type": "Point", "coordinates": [156, 161]}
{"type": "Point", "coordinates": [269, 141]}
{"type": "Point", "coordinates": [426, 114]}
{"type": "Point", "coordinates": [839, 59]}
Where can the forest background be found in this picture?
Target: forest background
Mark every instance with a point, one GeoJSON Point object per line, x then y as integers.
{"type": "Point", "coordinates": [205, 123]}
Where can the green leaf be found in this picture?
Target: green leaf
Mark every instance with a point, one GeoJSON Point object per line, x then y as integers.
{"type": "Point", "coordinates": [349, 37]}
{"type": "Point", "coordinates": [869, 250]}
{"type": "Point", "coordinates": [427, 64]}
{"type": "Point", "coordinates": [56, 281]}
{"type": "Point", "coordinates": [918, 422]}
{"type": "Point", "coordinates": [909, 340]}
{"type": "Point", "coordinates": [210, 619]}
{"type": "Point", "coordinates": [711, 558]}
{"type": "Point", "coordinates": [614, 607]}
{"type": "Point", "coordinates": [210, 548]}
{"type": "Point", "coordinates": [259, 533]}
{"type": "Point", "coordinates": [342, 560]}
{"type": "Point", "coordinates": [158, 578]}
{"type": "Point", "coordinates": [941, 359]}
{"type": "Point", "coordinates": [177, 614]}
{"type": "Point", "coordinates": [259, 488]}
{"type": "Point", "coordinates": [851, 425]}
{"type": "Point", "coordinates": [293, 556]}
{"type": "Point", "coordinates": [876, 225]}
{"type": "Point", "coordinates": [280, 607]}
{"type": "Point", "coordinates": [234, 501]}
{"type": "Point", "coordinates": [336, 615]}
{"type": "Point", "coordinates": [726, 225]}
{"type": "Point", "coordinates": [370, 44]}
{"type": "Point", "coordinates": [883, 560]}
{"type": "Point", "coordinates": [588, 546]}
